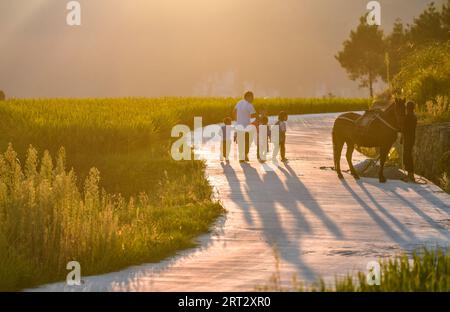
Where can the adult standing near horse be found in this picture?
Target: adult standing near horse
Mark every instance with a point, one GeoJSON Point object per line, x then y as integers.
{"type": "Point", "coordinates": [409, 138]}
{"type": "Point", "coordinates": [243, 112]}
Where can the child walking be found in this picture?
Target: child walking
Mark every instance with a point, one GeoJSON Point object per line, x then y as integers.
{"type": "Point", "coordinates": [282, 128]}
{"type": "Point", "coordinates": [225, 144]}
{"type": "Point", "coordinates": [264, 135]}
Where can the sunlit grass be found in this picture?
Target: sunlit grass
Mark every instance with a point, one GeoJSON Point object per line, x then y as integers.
{"type": "Point", "coordinates": [425, 271]}
{"type": "Point", "coordinates": [128, 139]}
{"type": "Point", "coordinates": [47, 221]}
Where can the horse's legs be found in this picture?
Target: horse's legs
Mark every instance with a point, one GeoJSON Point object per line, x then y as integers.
{"type": "Point", "coordinates": [338, 144]}
{"type": "Point", "coordinates": [350, 149]}
{"type": "Point", "coordinates": [384, 151]}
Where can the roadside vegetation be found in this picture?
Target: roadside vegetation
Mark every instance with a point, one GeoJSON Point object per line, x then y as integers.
{"type": "Point", "coordinates": [47, 221]}
{"type": "Point", "coordinates": [425, 78]}
{"type": "Point", "coordinates": [423, 271]}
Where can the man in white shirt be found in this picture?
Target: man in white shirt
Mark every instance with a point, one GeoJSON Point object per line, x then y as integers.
{"type": "Point", "coordinates": [243, 113]}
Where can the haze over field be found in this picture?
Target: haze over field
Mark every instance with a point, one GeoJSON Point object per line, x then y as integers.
{"type": "Point", "coordinates": [182, 47]}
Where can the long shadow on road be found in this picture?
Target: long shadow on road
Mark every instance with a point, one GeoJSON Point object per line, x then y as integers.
{"type": "Point", "coordinates": [296, 186]}
{"type": "Point", "coordinates": [268, 196]}
{"type": "Point", "coordinates": [394, 235]}
{"type": "Point", "coordinates": [260, 194]}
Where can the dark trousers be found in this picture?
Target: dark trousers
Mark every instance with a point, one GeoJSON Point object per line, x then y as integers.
{"type": "Point", "coordinates": [408, 160]}
{"type": "Point", "coordinates": [283, 148]}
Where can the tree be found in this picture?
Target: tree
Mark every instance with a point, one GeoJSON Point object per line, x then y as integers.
{"type": "Point", "coordinates": [397, 47]}
{"type": "Point", "coordinates": [363, 54]}
{"type": "Point", "coordinates": [445, 19]}
{"type": "Point", "coordinates": [425, 74]}
{"type": "Point", "coordinates": [2, 95]}
{"type": "Point", "coordinates": [431, 25]}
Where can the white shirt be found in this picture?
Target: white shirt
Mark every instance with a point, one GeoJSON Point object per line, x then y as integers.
{"type": "Point", "coordinates": [244, 112]}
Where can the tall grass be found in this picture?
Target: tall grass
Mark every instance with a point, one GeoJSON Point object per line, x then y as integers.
{"type": "Point", "coordinates": [426, 271]}
{"type": "Point", "coordinates": [47, 221]}
{"type": "Point", "coordinates": [124, 124]}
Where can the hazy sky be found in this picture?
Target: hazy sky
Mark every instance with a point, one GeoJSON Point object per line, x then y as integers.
{"type": "Point", "coordinates": [182, 47]}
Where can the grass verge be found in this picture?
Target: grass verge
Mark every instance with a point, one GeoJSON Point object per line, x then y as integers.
{"type": "Point", "coordinates": [424, 271]}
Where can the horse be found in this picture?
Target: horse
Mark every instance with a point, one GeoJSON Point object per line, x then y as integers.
{"type": "Point", "coordinates": [380, 132]}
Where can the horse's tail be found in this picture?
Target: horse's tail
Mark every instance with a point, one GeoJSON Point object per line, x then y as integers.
{"type": "Point", "coordinates": [334, 139]}
{"type": "Point", "coordinates": [334, 133]}
{"type": "Point", "coordinates": [338, 143]}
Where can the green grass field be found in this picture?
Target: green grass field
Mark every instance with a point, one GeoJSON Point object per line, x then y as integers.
{"type": "Point", "coordinates": [113, 196]}
{"type": "Point", "coordinates": [128, 140]}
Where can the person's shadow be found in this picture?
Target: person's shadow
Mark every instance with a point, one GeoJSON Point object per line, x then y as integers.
{"type": "Point", "coordinates": [236, 191]}
{"type": "Point", "coordinates": [267, 195]}
{"type": "Point", "coordinates": [265, 204]}
{"type": "Point", "coordinates": [296, 186]}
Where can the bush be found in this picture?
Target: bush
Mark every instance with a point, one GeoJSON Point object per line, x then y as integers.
{"type": "Point", "coordinates": [425, 74]}
{"type": "Point", "coordinates": [437, 110]}
{"type": "Point", "coordinates": [445, 163]}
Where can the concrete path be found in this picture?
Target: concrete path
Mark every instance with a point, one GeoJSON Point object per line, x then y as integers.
{"type": "Point", "coordinates": [320, 226]}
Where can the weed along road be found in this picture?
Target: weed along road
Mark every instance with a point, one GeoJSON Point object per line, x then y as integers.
{"type": "Point", "coordinates": [293, 220]}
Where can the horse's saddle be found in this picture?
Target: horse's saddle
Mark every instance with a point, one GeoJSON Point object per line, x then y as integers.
{"type": "Point", "coordinates": [378, 107]}
{"type": "Point", "coordinates": [366, 120]}
{"type": "Point", "coordinates": [363, 123]}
